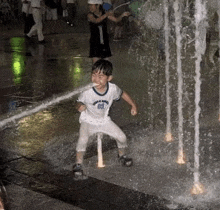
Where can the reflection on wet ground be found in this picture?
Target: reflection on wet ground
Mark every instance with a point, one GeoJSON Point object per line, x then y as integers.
{"type": "Point", "coordinates": [33, 72]}
{"type": "Point", "coordinates": [38, 150]}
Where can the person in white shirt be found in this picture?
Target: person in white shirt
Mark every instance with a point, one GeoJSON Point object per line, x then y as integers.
{"type": "Point", "coordinates": [38, 26]}
{"type": "Point", "coordinates": [94, 105]}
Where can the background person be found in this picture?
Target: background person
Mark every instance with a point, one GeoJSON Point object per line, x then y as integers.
{"type": "Point", "coordinates": [99, 38]}
{"type": "Point", "coordinates": [38, 26]}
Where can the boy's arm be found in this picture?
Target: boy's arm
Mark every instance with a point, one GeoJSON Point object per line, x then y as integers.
{"type": "Point", "coordinates": [129, 100]}
{"type": "Point", "coordinates": [92, 19]}
{"type": "Point", "coordinates": [80, 107]}
{"type": "Point", "coordinates": [118, 19]}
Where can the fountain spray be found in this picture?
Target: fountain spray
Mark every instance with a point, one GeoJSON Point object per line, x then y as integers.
{"type": "Point", "coordinates": [218, 11]}
{"type": "Point", "coordinates": [178, 16]}
{"type": "Point", "coordinates": [45, 104]}
{"type": "Point", "coordinates": [124, 4]}
{"type": "Point", "coordinates": [99, 148]}
{"type": "Point", "coordinates": [168, 136]}
{"type": "Point", "coordinates": [200, 46]}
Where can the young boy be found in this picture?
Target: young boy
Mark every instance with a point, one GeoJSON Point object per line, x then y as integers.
{"type": "Point", "coordinates": [94, 105]}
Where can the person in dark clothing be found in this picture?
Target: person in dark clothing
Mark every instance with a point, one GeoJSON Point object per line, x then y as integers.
{"type": "Point", "coordinates": [27, 16]}
{"type": "Point", "coordinates": [99, 39]}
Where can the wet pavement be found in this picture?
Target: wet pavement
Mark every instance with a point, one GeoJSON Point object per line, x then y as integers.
{"type": "Point", "coordinates": [38, 150]}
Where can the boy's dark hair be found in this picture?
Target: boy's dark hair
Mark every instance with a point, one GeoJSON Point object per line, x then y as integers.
{"type": "Point", "coordinates": [104, 66]}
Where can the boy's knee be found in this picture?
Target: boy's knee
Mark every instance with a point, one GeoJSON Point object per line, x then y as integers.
{"type": "Point", "coordinates": [81, 148]}
{"type": "Point", "coordinates": [123, 140]}
{"type": "Point", "coordinates": [123, 137]}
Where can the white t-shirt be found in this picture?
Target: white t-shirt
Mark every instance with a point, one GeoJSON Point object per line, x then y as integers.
{"type": "Point", "coordinates": [98, 105]}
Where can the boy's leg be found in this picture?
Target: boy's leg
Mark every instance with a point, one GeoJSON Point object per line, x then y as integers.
{"type": "Point", "coordinates": [121, 151]}
{"type": "Point", "coordinates": [111, 129]}
{"type": "Point", "coordinates": [80, 151]}
{"type": "Point", "coordinates": [79, 157]}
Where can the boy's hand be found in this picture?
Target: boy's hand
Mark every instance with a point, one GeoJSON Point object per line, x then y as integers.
{"type": "Point", "coordinates": [133, 110]}
{"type": "Point", "coordinates": [126, 14]}
{"type": "Point", "coordinates": [82, 108]}
{"type": "Point", "coordinates": [109, 13]}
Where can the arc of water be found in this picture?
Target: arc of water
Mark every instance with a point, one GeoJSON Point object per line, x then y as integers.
{"type": "Point", "coordinates": [45, 104]}
{"type": "Point", "coordinates": [168, 136]}
{"type": "Point", "coordinates": [121, 5]}
{"type": "Point", "coordinates": [178, 17]}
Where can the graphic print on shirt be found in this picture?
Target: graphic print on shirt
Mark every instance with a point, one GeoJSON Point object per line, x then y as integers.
{"type": "Point", "coordinates": [101, 104]}
{"type": "Point", "coordinates": [97, 105]}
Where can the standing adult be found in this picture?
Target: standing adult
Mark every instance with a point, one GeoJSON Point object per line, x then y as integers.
{"type": "Point", "coordinates": [38, 26]}
{"type": "Point", "coordinates": [71, 10]}
{"type": "Point", "coordinates": [27, 15]}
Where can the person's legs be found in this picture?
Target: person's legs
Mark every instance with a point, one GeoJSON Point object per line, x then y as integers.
{"type": "Point", "coordinates": [30, 22]}
{"type": "Point", "coordinates": [38, 26]}
{"type": "Point", "coordinates": [80, 151]}
{"type": "Point", "coordinates": [111, 129]}
{"type": "Point", "coordinates": [71, 10]}
{"type": "Point", "coordinates": [84, 134]}
{"type": "Point", "coordinates": [34, 27]}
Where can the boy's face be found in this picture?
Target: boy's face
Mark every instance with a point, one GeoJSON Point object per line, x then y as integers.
{"type": "Point", "coordinates": [100, 79]}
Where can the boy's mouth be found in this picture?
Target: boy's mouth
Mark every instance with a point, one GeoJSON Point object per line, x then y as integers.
{"type": "Point", "coordinates": [95, 84]}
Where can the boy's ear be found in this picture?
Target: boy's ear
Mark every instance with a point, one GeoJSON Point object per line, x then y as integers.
{"type": "Point", "coordinates": [110, 78]}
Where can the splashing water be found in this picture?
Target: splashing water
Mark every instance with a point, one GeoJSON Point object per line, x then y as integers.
{"type": "Point", "coordinates": [179, 72]}
{"type": "Point", "coordinates": [45, 104]}
{"type": "Point", "coordinates": [200, 46]}
{"type": "Point", "coordinates": [99, 150]}
{"type": "Point", "coordinates": [219, 56]}
{"type": "Point", "coordinates": [168, 136]}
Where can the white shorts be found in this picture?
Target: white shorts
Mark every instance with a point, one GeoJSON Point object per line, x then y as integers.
{"type": "Point", "coordinates": [109, 128]}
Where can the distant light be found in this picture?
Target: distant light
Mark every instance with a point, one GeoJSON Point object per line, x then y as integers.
{"type": "Point", "coordinates": [18, 59]}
